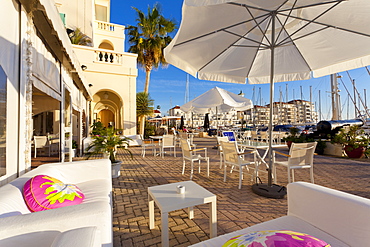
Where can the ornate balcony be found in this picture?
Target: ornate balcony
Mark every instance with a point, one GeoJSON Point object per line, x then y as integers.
{"type": "Point", "coordinates": [106, 56]}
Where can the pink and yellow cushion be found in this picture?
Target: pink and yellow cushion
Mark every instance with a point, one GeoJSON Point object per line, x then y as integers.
{"type": "Point", "coordinates": [283, 238]}
{"type": "Point", "coordinates": [43, 192]}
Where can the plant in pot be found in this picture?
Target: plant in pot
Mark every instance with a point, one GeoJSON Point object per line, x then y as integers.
{"type": "Point", "coordinates": [74, 148]}
{"type": "Point", "coordinates": [320, 147]}
{"type": "Point", "coordinates": [354, 141]}
{"type": "Point", "coordinates": [105, 141]}
{"type": "Point", "coordinates": [294, 136]}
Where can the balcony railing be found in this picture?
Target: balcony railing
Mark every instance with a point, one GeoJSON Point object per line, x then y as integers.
{"type": "Point", "coordinates": [108, 57]}
{"type": "Point", "coordinates": [106, 26]}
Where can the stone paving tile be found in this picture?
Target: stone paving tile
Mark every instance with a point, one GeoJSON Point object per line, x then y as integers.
{"type": "Point", "coordinates": [236, 209]}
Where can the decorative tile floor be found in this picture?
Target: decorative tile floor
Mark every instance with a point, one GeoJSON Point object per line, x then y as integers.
{"type": "Point", "coordinates": [236, 209]}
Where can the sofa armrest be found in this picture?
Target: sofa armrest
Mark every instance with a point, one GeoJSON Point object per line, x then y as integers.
{"type": "Point", "coordinates": [71, 172]}
{"type": "Point", "coordinates": [95, 214]}
{"type": "Point", "coordinates": [343, 215]}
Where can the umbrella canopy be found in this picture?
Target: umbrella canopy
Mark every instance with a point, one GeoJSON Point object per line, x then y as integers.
{"type": "Point", "coordinates": [270, 41]}
{"type": "Point", "coordinates": [155, 119]}
{"type": "Point", "coordinates": [230, 41]}
{"type": "Point", "coordinates": [217, 99]}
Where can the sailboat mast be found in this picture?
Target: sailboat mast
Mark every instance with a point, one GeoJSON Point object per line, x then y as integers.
{"type": "Point", "coordinates": [320, 105]}
{"type": "Point", "coordinates": [187, 89]}
{"type": "Point", "coordinates": [334, 97]}
{"type": "Point", "coordinates": [311, 113]}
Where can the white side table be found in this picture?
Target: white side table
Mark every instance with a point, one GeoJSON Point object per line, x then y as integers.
{"type": "Point", "coordinates": [167, 200]}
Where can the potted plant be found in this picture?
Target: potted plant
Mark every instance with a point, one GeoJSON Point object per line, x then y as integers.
{"type": "Point", "coordinates": [74, 148]}
{"type": "Point", "coordinates": [354, 141]}
{"type": "Point", "coordinates": [294, 136]}
{"type": "Point", "coordinates": [105, 141]}
{"type": "Point", "coordinates": [320, 147]}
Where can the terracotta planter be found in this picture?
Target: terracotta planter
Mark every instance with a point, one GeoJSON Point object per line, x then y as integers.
{"type": "Point", "coordinates": [355, 153]}
{"type": "Point", "coordinates": [289, 143]}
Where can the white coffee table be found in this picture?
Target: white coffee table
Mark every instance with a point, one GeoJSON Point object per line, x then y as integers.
{"type": "Point", "coordinates": [167, 200]}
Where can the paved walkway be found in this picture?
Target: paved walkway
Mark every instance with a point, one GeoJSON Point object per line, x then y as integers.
{"type": "Point", "coordinates": [236, 209]}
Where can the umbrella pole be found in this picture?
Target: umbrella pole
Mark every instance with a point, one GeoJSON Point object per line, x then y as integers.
{"type": "Point", "coordinates": [216, 118]}
{"type": "Point", "coordinates": [270, 190]}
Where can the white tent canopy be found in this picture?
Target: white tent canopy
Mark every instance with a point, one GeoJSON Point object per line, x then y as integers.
{"type": "Point", "coordinates": [217, 100]}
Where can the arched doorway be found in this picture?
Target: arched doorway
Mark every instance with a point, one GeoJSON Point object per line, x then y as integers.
{"type": "Point", "coordinates": [106, 117]}
{"type": "Point", "coordinates": [107, 109]}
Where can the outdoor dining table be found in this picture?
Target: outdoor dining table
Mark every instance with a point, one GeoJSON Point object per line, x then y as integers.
{"type": "Point", "coordinates": [159, 139]}
{"type": "Point", "coordinates": [256, 145]}
{"type": "Point", "coordinates": [156, 137]}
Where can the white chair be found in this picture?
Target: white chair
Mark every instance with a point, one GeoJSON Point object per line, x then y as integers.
{"type": "Point", "coordinates": [219, 140]}
{"type": "Point", "coordinates": [147, 144]}
{"type": "Point", "coordinates": [300, 156]}
{"type": "Point", "coordinates": [263, 136]}
{"type": "Point", "coordinates": [41, 142]}
{"type": "Point", "coordinates": [247, 135]}
{"type": "Point", "coordinates": [191, 155]}
{"type": "Point", "coordinates": [254, 135]}
{"type": "Point", "coordinates": [233, 157]}
{"type": "Point", "coordinates": [186, 136]}
{"type": "Point", "coordinates": [168, 141]}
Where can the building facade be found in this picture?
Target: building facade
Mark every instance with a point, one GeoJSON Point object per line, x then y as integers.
{"type": "Point", "coordinates": [110, 71]}
{"type": "Point", "coordinates": [292, 112]}
{"type": "Point", "coordinates": [51, 88]}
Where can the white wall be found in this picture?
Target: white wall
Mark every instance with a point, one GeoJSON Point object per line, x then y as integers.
{"type": "Point", "coordinates": [79, 13]}
{"type": "Point", "coordinates": [9, 61]}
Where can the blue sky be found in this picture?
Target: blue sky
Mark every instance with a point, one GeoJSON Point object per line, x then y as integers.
{"type": "Point", "coordinates": [167, 86]}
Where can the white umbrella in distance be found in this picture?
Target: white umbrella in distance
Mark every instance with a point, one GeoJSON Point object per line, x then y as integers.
{"type": "Point", "coordinates": [217, 100]}
{"type": "Point", "coordinates": [270, 41]}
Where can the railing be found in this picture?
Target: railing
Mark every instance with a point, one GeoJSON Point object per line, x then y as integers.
{"type": "Point", "coordinates": [106, 26]}
{"type": "Point", "coordinates": [108, 57]}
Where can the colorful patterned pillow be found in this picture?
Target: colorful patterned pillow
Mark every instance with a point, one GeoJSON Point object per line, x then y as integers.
{"type": "Point", "coordinates": [43, 192]}
{"type": "Point", "coordinates": [283, 238]}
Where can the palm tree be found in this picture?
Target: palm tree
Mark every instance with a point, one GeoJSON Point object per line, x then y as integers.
{"type": "Point", "coordinates": [149, 38]}
{"type": "Point", "coordinates": [77, 37]}
{"type": "Point", "coordinates": [144, 107]}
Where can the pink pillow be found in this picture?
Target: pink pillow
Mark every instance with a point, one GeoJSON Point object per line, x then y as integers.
{"type": "Point", "coordinates": [43, 192]}
{"type": "Point", "coordinates": [269, 238]}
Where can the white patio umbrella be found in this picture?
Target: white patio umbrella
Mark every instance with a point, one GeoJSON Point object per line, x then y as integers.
{"type": "Point", "coordinates": [217, 100]}
{"type": "Point", "coordinates": [270, 41]}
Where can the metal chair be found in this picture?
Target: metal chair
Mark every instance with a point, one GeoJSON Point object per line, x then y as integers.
{"type": "Point", "coordinates": [300, 156]}
{"type": "Point", "coordinates": [168, 141]}
{"type": "Point", "coordinates": [219, 140]}
{"type": "Point", "coordinates": [263, 136]}
{"type": "Point", "coordinates": [147, 143]}
{"type": "Point", "coordinates": [233, 157]}
{"type": "Point", "coordinates": [254, 135]}
{"type": "Point", "coordinates": [191, 155]}
{"type": "Point", "coordinates": [247, 135]}
{"type": "Point", "coordinates": [41, 142]}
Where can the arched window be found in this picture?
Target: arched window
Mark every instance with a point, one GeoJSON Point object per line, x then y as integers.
{"type": "Point", "coordinates": [106, 45]}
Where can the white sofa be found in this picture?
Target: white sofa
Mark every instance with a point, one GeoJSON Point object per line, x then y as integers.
{"type": "Point", "coordinates": [338, 218]}
{"type": "Point", "coordinates": [90, 220]}
{"type": "Point", "coordinates": [134, 140]}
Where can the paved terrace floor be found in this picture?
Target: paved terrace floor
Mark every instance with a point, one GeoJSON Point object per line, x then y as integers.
{"type": "Point", "coordinates": [236, 209]}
